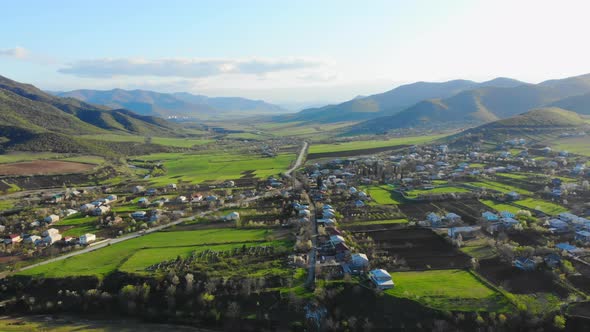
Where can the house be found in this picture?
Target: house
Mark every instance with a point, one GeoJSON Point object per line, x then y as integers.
{"type": "Point", "coordinates": [57, 198]}
{"type": "Point", "coordinates": [552, 260]}
{"type": "Point", "coordinates": [506, 214]}
{"type": "Point", "coordinates": [50, 231]}
{"type": "Point", "coordinates": [52, 238]}
{"type": "Point", "coordinates": [452, 217]}
{"type": "Point", "coordinates": [181, 199]}
{"type": "Point", "coordinates": [112, 198]}
{"type": "Point", "coordinates": [70, 212]}
{"type": "Point", "coordinates": [233, 216]}
{"type": "Point", "coordinates": [87, 238]}
{"type": "Point", "coordinates": [171, 186]}
{"type": "Point", "coordinates": [509, 223]}
{"type": "Point", "coordinates": [138, 215]}
{"type": "Point", "coordinates": [433, 218]}
{"type": "Point", "coordinates": [51, 219]}
{"type": "Point", "coordinates": [138, 189]}
{"type": "Point", "coordinates": [358, 203]}
{"type": "Point", "coordinates": [101, 210]}
{"type": "Point", "coordinates": [583, 236]}
{"type": "Point", "coordinates": [32, 239]}
{"type": "Point", "coordinates": [325, 221]}
{"type": "Point", "coordinates": [513, 196]}
{"type": "Point", "coordinates": [466, 232]}
{"type": "Point", "coordinates": [525, 264]}
{"type": "Point", "coordinates": [196, 197]}
{"type": "Point", "coordinates": [68, 240]}
{"type": "Point", "coordinates": [143, 202]}
{"type": "Point", "coordinates": [87, 208]}
{"type": "Point", "coordinates": [558, 226]}
{"type": "Point", "coordinates": [2, 228]}
{"type": "Point", "coordinates": [381, 279]}
{"type": "Point", "coordinates": [335, 239]}
{"type": "Point", "coordinates": [151, 192]}
{"type": "Point", "coordinates": [13, 238]}
{"type": "Point", "coordinates": [359, 260]}
{"type": "Point", "coordinates": [304, 213]}
{"type": "Point", "coordinates": [568, 248]}
{"type": "Point", "coordinates": [490, 216]}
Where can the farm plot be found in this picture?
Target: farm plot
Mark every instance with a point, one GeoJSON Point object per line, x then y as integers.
{"type": "Point", "coordinates": [383, 195]}
{"type": "Point", "coordinates": [420, 248]}
{"type": "Point", "coordinates": [541, 205]}
{"type": "Point", "coordinates": [499, 207]}
{"type": "Point", "coordinates": [468, 209]}
{"type": "Point", "coordinates": [111, 258]}
{"type": "Point", "coordinates": [215, 167]}
{"type": "Point", "coordinates": [353, 214]}
{"type": "Point", "coordinates": [436, 191]}
{"type": "Point", "coordinates": [500, 187]}
{"type": "Point", "coordinates": [44, 167]}
{"type": "Point", "coordinates": [517, 281]}
{"type": "Point", "coordinates": [417, 211]}
{"type": "Point", "coordinates": [455, 290]}
{"type": "Point", "coordinates": [370, 144]}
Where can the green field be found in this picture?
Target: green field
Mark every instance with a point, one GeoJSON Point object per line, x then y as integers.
{"type": "Point", "coordinates": [6, 204]}
{"type": "Point", "coordinates": [541, 205]}
{"type": "Point", "coordinates": [218, 166]}
{"type": "Point", "coordinates": [501, 187]}
{"type": "Point", "coordinates": [166, 141]}
{"type": "Point", "coordinates": [111, 258]}
{"type": "Point", "coordinates": [576, 145]}
{"type": "Point", "coordinates": [435, 191]}
{"type": "Point", "coordinates": [478, 248]}
{"type": "Point", "coordinates": [361, 145]}
{"type": "Point", "coordinates": [79, 225]}
{"type": "Point", "coordinates": [450, 290]}
{"type": "Point", "coordinates": [382, 195]}
{"type": "Point", "coordinates": [500, 206]}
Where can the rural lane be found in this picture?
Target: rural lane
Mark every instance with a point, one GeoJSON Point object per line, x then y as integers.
{"type": "Point", "coordinates": [299, 160]}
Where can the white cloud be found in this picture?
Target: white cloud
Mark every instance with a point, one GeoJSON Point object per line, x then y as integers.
{"type": "Point", "coordinates": [17, 52]}
{"type": "Point", "coordinates": [185, 68]}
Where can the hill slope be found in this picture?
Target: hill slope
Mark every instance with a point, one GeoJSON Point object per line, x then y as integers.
{"type": "Point", "coordinates": [477, 106]}
{"type": "Point", "coordinates": [392, 101]}
{"type": "Point", "coordinates": [28, 114]}
{"type": "Point", "coordinates": [579, 104]}
{"type": "Point", "coordinates": [171, 105]}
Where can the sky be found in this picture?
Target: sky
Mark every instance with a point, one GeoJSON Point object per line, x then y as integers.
{"type": "Point", "coordinates": [288, 52]}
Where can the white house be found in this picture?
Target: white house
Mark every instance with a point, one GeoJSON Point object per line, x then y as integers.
{"type": "Point", "coordinates": [87, 238]}
{"type": "Point", "coordinates": [232, 216]}
{"type": "Point", "coordinates": [359, 260]}
{"type": "Point", "coordinates": [52, 238]}
{"type": "Point", "coordinates": [381, 279]}
{"type": "Point", "coordinates": [50, 231]}
{"type": "Point", "coordinates": [32, 239]}
{"type": "Point", "coordinates": [335, 239]}
{"type": "Point", "coordinates": [51, 219]}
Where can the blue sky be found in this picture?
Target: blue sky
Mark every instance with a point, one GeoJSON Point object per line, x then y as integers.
{"type": "Point", "coordinates": [288, 51]}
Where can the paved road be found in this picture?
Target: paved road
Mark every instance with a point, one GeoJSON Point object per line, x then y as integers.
{"type": "Point", "coordinates": [299, 160]}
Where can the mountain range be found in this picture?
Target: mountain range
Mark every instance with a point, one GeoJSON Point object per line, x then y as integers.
{"type": "Point", "coordinates": [484, 103]}
{"type": "Point", "coordinates": [391, 102]}
{"type": "Point", "coordinates": [170, 105]}
{"type": "Point", "coordinates": [31, 119]}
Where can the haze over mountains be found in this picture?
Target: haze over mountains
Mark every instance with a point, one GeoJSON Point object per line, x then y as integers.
{"type": "Point", "coordinates": [181, 104]}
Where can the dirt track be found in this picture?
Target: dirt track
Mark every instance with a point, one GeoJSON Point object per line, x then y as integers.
{"type": "Point", "coordinates": [43, 167]}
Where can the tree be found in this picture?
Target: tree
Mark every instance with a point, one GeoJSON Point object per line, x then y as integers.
{"type": "Point", "coordinates": [559, 322]}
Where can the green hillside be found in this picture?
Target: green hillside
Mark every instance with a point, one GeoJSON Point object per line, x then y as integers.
{"type": "Point", "coordinates": [477, 106]}
{"type": "Point", "coordinates": [33, 120]}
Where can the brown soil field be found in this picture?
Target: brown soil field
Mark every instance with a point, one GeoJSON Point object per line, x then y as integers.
{"type": "Point", "coordinates": [468, 209]}
{"type": "Point", "coordinates": [421, 248]}
{"type": "Point", "coordinates": [518, 281]}
{"type": "Point", "coordinates": [43, 167]}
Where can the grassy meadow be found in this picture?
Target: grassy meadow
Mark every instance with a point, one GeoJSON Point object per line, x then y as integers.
{"type": "Point", "coordinates": [216, 166]}
{"type": "Point", "coordinates": [449, 290]}
{"type": "Point", "coordinates": [169, 245]}
{"type": "Point", "coordinates": [370, 144]}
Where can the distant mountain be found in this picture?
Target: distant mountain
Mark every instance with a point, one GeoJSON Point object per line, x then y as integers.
{"type": "Point", "coordinates": [28, 114]}
{"type": "Point", "coordinates": [477, 106]}
{"type": "Point", "coordinates": [535, 126]}
{"type": "Point", "coordinates": [391, 102]}
{"type": "Point", "coordinates": [173, 104]}
{"type": "Point", "coordinates": [579, 104]}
